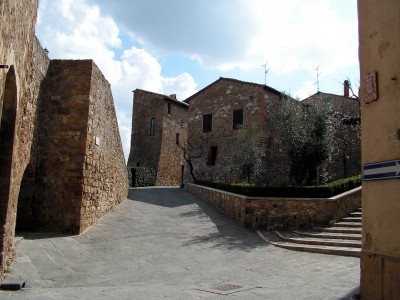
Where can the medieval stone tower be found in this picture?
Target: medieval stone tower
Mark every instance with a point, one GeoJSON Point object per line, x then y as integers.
{"type": "Point", "coordinates": [61, 160]}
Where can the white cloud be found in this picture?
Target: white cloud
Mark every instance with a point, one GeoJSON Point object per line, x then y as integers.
{"type": "Point", "coordinates": [306, 90]}
{"type": "Point", "coordinates": [74, 29]}
{"type": "Point", "coordinates": [227, 34]}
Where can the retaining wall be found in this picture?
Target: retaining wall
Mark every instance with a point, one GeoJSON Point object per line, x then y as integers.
{"type": "Point", "coordinates": [280, 213]}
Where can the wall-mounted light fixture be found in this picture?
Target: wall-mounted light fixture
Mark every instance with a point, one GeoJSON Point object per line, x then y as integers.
{"type": "Point", "coordinates": [180, 122]}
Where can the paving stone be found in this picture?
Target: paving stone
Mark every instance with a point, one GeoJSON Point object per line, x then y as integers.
{"type": "Point", "coordinates": [139, 252]}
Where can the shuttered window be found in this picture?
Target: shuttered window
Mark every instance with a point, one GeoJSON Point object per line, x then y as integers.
{"type": "Point", "coordinates": [207, 123]}
{"type": "Point", "coordinates": [237, 118]}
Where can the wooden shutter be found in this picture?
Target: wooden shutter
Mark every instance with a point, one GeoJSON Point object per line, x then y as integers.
{"type": "Point", "coordinates": [237, 118]}
{"type": "Point", "coordinates": [207, 123]}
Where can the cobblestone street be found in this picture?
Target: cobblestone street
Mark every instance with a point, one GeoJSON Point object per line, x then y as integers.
{"type": "Point", "coordinates": [166, 243]}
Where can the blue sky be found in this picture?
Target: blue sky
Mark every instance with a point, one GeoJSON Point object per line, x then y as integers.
{"type": "Point", "coordinates": [179, 46]}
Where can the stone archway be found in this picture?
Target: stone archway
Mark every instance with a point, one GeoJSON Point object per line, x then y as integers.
{"type": "Point", "coordinates": [26, 201]}
{"type": "Point", "coordinates": [7, 132]}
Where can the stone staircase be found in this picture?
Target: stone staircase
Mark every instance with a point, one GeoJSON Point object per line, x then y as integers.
{"type": "Point", "coordinates": [343, 238]}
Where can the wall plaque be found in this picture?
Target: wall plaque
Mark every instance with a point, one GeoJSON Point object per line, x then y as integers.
{"type": "Point", "coordinates": [370, 87]}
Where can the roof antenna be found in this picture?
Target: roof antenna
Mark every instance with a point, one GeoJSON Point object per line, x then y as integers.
{"type": "Point", "coordinates": [265, 72]}
{"type": "Point", "coordinates": [317, 83]}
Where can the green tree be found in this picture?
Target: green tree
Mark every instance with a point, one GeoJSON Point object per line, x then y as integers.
{"type": "Point", "coordinates": [303, 133]}
{"type": "Point", "coordinates": [248, 152]}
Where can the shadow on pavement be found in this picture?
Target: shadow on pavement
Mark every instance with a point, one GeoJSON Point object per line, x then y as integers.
{"type": "Point", "coordinates": [231, 235]}
{"type": "Point", "coordinates": [160, 196]}
{"type": "Point", "coordinates": [38, 235]}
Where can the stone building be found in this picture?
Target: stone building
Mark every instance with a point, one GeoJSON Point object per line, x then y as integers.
{"type": "Point", "coordinates": [159, 128]}
{"type": "Point", "coordinates": [61, 160]}
{"type": "Point", "coordinates": [379, 53]}
{"type": "Point", "coordinates": [346, 154]}
{"type": "Point", "coordinates": [214, 115]}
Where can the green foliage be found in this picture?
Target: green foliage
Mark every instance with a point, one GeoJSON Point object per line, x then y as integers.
{"type": "Point", "coordinates": [323, 191]}
{"type": "Point", "coordinates": [143, 176]}
{"type": "Point", "coordinates": [248, 152]}
{"type": "Point", "coordinates": [303, 133]}
{"type": "Point", "coordinates": [129, 169]}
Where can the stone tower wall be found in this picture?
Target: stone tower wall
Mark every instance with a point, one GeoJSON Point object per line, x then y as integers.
{"type": "Point", "coordinates": [105, 176]}
{"type": "Point", "coordinates": [171, 155]}
{"type": "Point", "coordinates": [145, 149]}
{"type": "Point", "coordinates": [18, 99]}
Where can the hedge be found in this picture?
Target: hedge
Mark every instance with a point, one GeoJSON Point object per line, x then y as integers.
{"type": "Point", "coordinates": [143, 176]}
{"type": "Point", "coordinates": [323, 191]}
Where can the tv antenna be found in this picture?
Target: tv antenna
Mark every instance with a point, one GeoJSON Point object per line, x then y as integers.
{"type": "Point", "coordinates": [265, 72]}
{"type": "Point", "coordinates": [317, 83]}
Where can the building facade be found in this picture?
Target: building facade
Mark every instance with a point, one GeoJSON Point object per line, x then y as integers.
{"type": "Point", "coordinates": [379, 52]}
{"type": "Point", "coordinates": [346, 154]}
{"type": "Point", "coordinates": [61, 160]}
{"type": "Point", "coordinates": [159, 130]}
{"type": "Point", "coordinates": [215, 114]}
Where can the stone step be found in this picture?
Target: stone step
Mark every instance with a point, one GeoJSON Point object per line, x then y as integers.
{"type": "Point", "coordinates": [344, 251]}
{"type": "Point", "coordinates": [352, 219]}
{"type": "Point", "coordinates": [356, 214]}
{"type": "Point", "coordinates": [293, 238]}
{"type": "Point", "coordinates": [359, 209]}
{"type": "Point", "coordinates": [347, 224]}
{"type": "Point", "coordinates": [328, 235]}
{"type": "Point", "coordinates": [339, 229]}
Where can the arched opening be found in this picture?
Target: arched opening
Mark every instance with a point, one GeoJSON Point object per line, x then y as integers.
{"type": "Point", "coordinates": [7, 130]}
{"type": "Point", "coordinates": [26, 201]}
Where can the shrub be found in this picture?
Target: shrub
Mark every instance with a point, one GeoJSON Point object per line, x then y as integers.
{"type": "Point", "coordinates": [143, 176]}
{"type": "Point", "coordinates": [129, 169]}
{"type": "Point", "coordinates": [323, 191]}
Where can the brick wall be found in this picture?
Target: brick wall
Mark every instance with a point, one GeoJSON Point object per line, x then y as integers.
{"type": "Point", "coordinates": [220, 99]}
{"type": "Point", "coordinates": [171, 155]}
{"type": "Point", "coordinates": [79, 180]}
{"type": "Point", "coordinates": [17, 111]}
{"type": "Point", "coordinates": [145, 149]}
{"type": "Point", "coordinates": [105, 176]}
{"type": "Point", "coordinates": [280, 213]}
{"type": "Point", "coordinates": [344, 134]}
{"type": "Point", "coordinates": [160, 152]}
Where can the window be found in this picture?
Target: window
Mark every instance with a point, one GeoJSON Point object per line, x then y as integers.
{"type": "Point", "coordinates": [237, 118]}
{"type": "Point", "coordinates": [153, 127]}
{"type": "Point", "coordinates": [207, 123]}
{"type": "Point", "coordinates": [169, 108]}
{"type": "Point", "coordinates": [177, 138]}
{"type": "Point", "coordinates": [212, 156]}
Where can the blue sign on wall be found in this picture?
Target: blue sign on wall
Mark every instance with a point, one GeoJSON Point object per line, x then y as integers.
{"type": "Point", "coordinates": [382, 170]}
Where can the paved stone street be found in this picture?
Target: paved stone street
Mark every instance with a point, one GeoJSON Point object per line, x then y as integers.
{"type": "Point", "coordinates": [166, 243]}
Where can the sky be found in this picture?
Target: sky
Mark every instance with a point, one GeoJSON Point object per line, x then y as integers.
{"type": "Point", "coordinates": [180, 46]}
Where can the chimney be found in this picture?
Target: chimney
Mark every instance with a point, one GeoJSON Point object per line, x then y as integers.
{"type": "Point", "coordinates": [173, 96]}
{"type": "Point", "coordinates": [346, 88]}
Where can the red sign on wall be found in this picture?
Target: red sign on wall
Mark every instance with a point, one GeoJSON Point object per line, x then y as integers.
{"type": "Point", "coordinates": [370, 87]}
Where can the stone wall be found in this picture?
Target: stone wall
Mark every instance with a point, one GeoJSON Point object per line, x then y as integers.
{"type": "Point", "coordinates": [220, 99]}
{"type": "Point", "coordinates": [80, 177]}
{"type": "Point", "coordinates": [160, 152]}
{"type": "Point", "coordinates": [17, 111]}
{"type": "Point", "coordinates": [44, 112]}
{"type": "Point", "coordinates": [280, 213]}
{"type": "Point", "coordinates": [171, 155]}
{"type": "Point", "coordinates": [104, 171]}
{"type": "Point", "coordinates": [347, 141]}
{"type": "Point", "coordinates": [145, 149]}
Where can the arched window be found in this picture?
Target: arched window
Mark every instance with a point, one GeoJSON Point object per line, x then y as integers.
{"type": "Point", "coordinates": [153, 127]}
